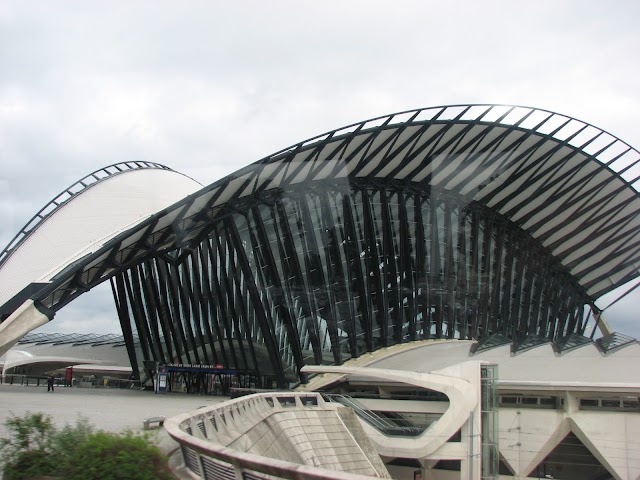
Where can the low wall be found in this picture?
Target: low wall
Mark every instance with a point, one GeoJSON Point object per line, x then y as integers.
{"type": "Point", "coordinates": [283, 435]}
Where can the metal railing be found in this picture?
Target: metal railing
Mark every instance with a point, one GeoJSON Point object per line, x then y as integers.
{"type": "Point", "coordinates": [397, 427]}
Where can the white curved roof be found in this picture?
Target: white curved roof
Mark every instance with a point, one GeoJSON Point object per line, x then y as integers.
{"type": "Point", "coordinates": [87, 220]}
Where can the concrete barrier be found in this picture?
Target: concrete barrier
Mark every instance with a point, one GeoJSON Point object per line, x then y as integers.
{"type": "Point", "coordinates": [282, 435]}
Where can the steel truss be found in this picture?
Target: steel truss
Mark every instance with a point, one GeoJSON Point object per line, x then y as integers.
{"type": "Point", "coordinates": [488, 222]}
{"type": "Point", "coordinates": [326, 272]}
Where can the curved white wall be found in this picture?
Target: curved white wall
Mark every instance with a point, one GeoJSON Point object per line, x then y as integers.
{"type": "Point", "coordinates": [88, 221]}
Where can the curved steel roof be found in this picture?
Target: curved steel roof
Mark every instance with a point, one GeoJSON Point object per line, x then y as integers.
{"type": "Point", "coordinates": [570, 185]}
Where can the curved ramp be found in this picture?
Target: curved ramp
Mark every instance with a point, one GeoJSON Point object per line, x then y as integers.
{"type": "Point", "coordinates": [463, 398]}
{"type": "Point", "coordinates": [283, 434]}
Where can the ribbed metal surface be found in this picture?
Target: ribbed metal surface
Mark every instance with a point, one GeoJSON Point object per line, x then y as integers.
{"type": "Point", "coordinates": [217, 470]}
{"type": "Point", "coordinates": [246, 475]}
{"type": "Point", "coordinates": [566, 183]}
{"type": "Point", "coordinates": [449, 222]}
{"type": "Point", "coordinates": [327, 273]}
{"type": "Point", "coordinates": [191, 460]}
{"type": "Point", "coordinates": [67, 194]}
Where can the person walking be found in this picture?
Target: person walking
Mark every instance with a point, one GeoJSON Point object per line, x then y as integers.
{"type": "Point", "coordinates": [50, 382]}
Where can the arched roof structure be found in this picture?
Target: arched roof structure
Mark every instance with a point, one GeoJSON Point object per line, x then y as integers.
{"type": "Point", "coordinates": [38, 353]}
{"type": "Point", "coordinates": [80, 220]}
{"type": "Point", "coordinates": [567, 185]}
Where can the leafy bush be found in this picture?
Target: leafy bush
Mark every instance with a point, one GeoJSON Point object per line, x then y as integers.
{"type": "Point", "coordinates": [32, 432]}
{"type": "Point", "coordinates": [29, 465]}
{"type": "Point", "coordinates": [106, 456]}
{"type": "Point", "coordinates": [65, 442]}
{"type": "Point", "coordinates": [27, 454]}
{"type": "Point", "coordinates": [37, 449]}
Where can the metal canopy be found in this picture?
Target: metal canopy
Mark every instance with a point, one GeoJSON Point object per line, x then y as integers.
{"type": "Point", "coordinates": [476, 221]}
{"type": "Point", "coordinates": [570, 185]}
{"type": "Point", "coordinates": [74, 339]}
{"type": "Point", "coordinates": [614, 342]}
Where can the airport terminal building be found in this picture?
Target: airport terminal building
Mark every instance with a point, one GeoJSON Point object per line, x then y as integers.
{"type": "Point", "coordinates": [491, 229]}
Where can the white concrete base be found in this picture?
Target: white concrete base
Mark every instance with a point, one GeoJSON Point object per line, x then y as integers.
{"type": "Point", "coordinates": [25, 319]}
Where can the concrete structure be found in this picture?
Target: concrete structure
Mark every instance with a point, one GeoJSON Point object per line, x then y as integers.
{"type": "Point", "coordinates": [37, 354]}
{"type": "Point", "coordinates": [283, 435]}
{"type": "Point", "coordinates": [303, 429]}
{"type": "Point", "coordinates": [569, 415]}
{"type": "Point", "coordinates": [425, 409]}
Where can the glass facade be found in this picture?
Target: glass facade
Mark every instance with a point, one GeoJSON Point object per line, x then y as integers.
{"type": "Point", "coordinates": [499, 224]}
{"type": "Point", "coordinates": [325, 271]}
{"type": "Point", "coordinates": [490, 451]}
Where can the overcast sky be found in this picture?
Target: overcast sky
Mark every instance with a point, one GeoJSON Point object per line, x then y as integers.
{"type": "Point", "coordinates": [208, 87]}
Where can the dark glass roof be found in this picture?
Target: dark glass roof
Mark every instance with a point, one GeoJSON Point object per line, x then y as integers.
{"type": "Point", "coordinates": [615, 341]}
{"type": "Point", "coordinates": [493, 341]}
{"type": "Point", "coordinates": [571, 342]}
{"type": "Point", "coordinates": [529, 342]}
{"type": "Point", "coordinates": [562, 345]}
{"type": "Point", "coordinates": [74, 339]}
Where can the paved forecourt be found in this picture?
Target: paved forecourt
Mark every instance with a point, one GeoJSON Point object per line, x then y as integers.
{"type": "Point", "coordinates": [112, 410]}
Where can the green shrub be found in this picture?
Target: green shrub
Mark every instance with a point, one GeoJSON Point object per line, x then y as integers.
{"type": "Point", "coordinates": [30, 464]}
{"type": "Point", "coordinates": [31, 432]}
{"type": "Point", "coordinates": [27, 453]}
{"type": "Point", "coordinates": [65, 442]}
{"type": "Point", "coordinates": [106, 456]}
{"type": "Point", "coordinates": [36, 449]}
